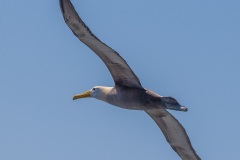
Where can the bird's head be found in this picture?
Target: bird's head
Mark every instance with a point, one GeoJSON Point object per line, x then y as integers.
{"type": "Point", "coordinates": [171, 103]}
{"type": "Point", "coordinates": [98, 92]}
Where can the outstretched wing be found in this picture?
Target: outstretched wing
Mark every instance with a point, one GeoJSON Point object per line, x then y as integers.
{"type": "Point", "coordinates": [174, 133]}
{"type": "Point", "coordinates": [119, 69]}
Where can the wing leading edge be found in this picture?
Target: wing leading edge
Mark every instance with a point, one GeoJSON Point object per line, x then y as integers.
{"type": "Point", "coordinates": [121, 72]}
{"type": "Point", "coordinates": [174, 133]}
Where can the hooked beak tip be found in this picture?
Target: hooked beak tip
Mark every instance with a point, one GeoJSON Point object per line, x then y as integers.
{"type": "Point", "coordinates": [82, 95]}
{"type": "Point", "coordinates": [74, 98]}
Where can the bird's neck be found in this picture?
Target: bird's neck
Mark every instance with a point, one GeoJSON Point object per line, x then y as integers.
{"type": "Point", "coordinates": [104, 93]}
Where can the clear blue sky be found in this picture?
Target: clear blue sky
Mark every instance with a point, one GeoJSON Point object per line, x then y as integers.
{"type": "Point", "coordinates": [189, 50]}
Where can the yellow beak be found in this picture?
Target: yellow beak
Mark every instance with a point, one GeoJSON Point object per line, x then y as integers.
{"type": "Point", "coordinates": [82, 95]}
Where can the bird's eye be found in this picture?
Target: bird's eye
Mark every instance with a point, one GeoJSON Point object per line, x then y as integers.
{"type": "Point", "coordinates": [93, 89]}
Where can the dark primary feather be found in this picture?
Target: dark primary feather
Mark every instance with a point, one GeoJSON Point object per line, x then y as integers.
{"type": "Point", "coordinates": [119, 69]}
{"type": "Point", "coordinates": [174, 133]}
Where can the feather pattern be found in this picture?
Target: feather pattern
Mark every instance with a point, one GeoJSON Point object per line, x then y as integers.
{"type": "Point", "coordinates": [128, 92]}
{"type": "Point", "coordinates": [174, 133]}
{"type": "Point", "coordinates": [121, 72]}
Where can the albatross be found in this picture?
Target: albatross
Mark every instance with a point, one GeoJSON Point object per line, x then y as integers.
{"type": "Point", "coordinates": [128, 92]}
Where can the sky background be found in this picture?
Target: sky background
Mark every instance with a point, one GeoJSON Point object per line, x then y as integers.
{"type": "Point", "coordinates": [189, 50]}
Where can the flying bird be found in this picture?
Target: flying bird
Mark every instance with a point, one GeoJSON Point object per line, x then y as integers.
{"type": "Point", "coordinates": [128, 92]}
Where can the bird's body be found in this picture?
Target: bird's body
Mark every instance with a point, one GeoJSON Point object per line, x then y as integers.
{"type": "Point", "coordinates": [130, 98]}
{"type": "Point", "coordinates": [128, 92]}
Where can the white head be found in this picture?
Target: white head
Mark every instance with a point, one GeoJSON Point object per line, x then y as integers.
{"type": "Point", "coordinates": [98, 92]}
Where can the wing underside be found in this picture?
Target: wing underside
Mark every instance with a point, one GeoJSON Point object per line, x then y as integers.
{"type": "Point", "coordinates": [174, 133]}
{"type": "Point", "coordinates": [119, 69]}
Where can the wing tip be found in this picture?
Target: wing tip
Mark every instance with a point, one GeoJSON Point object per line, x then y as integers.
{"type": "Point", "coordinates": [61, 6]}
{"type": "Point", "coordinates": [66, 5]}
{"type": "Point", "coordinates": [160, 118]}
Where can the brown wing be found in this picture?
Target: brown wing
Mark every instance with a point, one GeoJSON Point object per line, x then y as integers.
{"type": "Point", "coordinates": [174, 133]}
{"type": "Point", "coordinates": [119, 69]}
